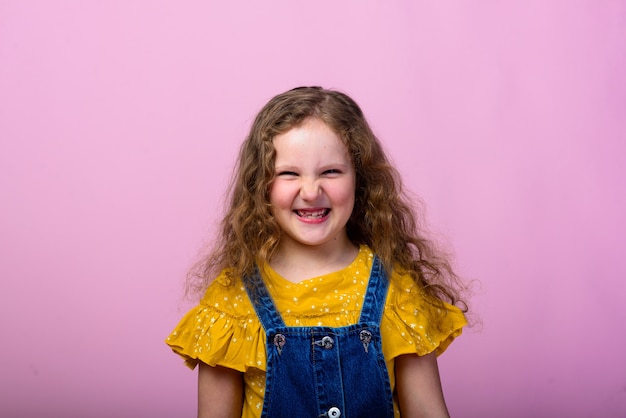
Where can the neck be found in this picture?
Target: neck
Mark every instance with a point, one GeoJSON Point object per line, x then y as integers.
{"type": "Point", "coordinates": [296, 262]}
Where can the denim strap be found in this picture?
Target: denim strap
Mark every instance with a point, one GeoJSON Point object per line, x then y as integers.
{"type": "Point", "coordinates": [376, 294]}
{"type": "Point", "coordinates": [263, 304]}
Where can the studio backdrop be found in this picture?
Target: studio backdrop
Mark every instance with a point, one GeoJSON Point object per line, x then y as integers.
{"type": "Point", "coordinates": [120, 122]}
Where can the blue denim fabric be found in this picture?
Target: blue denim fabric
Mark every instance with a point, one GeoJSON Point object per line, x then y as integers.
{"type": "Point", "coordinates": [324, 371]}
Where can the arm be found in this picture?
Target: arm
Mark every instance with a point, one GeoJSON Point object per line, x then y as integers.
{"type": "Point", "coordinates": [220, 392]}
{"type": "Point", "coordinates": [418, 387]}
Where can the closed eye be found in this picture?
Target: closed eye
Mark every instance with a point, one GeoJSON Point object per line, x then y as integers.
{"type": "Point", "coordinates": [286, 173]}
{"type": "Point", "coordinates": [332, 171]}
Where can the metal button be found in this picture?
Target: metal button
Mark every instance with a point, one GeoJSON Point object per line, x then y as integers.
{"type": "Point", "coordinates": [328, 343]}
{"type": "Point", "coordinates": [279, 342]}
{"type": "Point", "coordinates": [366, 338]}
{"type": "Point", "coordinates": [334, 412]}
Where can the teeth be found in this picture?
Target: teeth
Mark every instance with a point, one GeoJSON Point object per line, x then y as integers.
{"type": "Point", "coordinates": [312, 213]}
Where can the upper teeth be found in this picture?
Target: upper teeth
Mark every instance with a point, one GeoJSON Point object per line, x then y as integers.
{"type": "Point", "coordinates": [312, 213]}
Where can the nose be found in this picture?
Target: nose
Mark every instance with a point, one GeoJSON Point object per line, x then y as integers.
{"type": "Point", "coordinates": [309, 189]}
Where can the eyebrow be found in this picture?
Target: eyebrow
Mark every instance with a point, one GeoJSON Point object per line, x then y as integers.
{"type": "Point", "coordinates": [330, 165]}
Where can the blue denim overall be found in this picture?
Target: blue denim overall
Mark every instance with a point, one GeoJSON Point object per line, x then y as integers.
{"type": "Point", "coordinates": [323, 371]}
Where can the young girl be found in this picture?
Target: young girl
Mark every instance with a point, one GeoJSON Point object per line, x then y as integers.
{"type": "Point", "coordinates": [322, 296]}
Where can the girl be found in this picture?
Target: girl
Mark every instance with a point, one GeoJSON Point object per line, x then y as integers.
{"type": "Point", "coordinates": [327, 299]}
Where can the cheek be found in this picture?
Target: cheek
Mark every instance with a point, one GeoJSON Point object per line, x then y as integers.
{"type": "Point", "coordinates": [273, 196]}
{"type": "Point", "coordinates": [345, 194]}
{"type": "Point", "coordinates": [280, 196]}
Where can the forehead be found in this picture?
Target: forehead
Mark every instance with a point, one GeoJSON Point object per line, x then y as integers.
{"type": "Point", "coordinates": [313, 136]}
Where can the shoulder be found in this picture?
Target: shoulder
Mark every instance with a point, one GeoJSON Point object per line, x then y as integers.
{"type": "Point", "coordinates": [406, 294]}
{"type": "Point", "coordinates": [403, 290]}
{"type": "Point", "coordinates": [227, 294]}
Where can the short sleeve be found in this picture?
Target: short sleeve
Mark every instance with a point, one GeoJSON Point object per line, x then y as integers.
{"type": "Point", "coordinates": [413, 325]}
{"type": "Point", "coordinates": [223, 330]}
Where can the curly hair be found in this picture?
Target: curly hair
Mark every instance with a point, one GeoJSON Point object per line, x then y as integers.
{"type": "Point", "coordinates": [383, 217]}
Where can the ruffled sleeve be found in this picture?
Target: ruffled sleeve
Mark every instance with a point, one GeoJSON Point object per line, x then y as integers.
{"type": "Point", "coordinates": [223, 330]}
{"type": "Point", "coordinates": [412, 325]}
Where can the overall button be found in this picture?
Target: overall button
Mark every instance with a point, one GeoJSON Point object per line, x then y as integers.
{"type": "Point", "coordinates": [279, 342]}
{"type": "Point", "coordinates": [328, 343]}
{"type": "Point", "coordinates": [334, 412]}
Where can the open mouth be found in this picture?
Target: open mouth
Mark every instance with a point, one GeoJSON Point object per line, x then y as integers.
{"type": "Point", "coordinates": [312, 214]}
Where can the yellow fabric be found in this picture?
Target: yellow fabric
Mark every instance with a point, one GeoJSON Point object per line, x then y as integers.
{"type": "Point", "coordinates": [224, 329]}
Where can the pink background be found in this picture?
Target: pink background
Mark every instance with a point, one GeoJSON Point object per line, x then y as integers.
{"type": "Point", "coordinates": [119, 122]}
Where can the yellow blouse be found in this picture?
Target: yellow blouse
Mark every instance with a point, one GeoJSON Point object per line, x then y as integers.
{"type": "Point", "coordinates": [224, 329]}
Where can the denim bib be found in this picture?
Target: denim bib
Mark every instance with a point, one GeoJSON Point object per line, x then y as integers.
{"type": "Point", "coordinates": [323, 371]}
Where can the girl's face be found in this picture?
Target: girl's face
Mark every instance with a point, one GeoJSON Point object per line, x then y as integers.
{"type": "Point", "coordinates": [312, 194]}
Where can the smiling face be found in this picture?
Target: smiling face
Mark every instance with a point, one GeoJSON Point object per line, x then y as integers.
{"type": "Point", "coordinates": [312, 194]}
